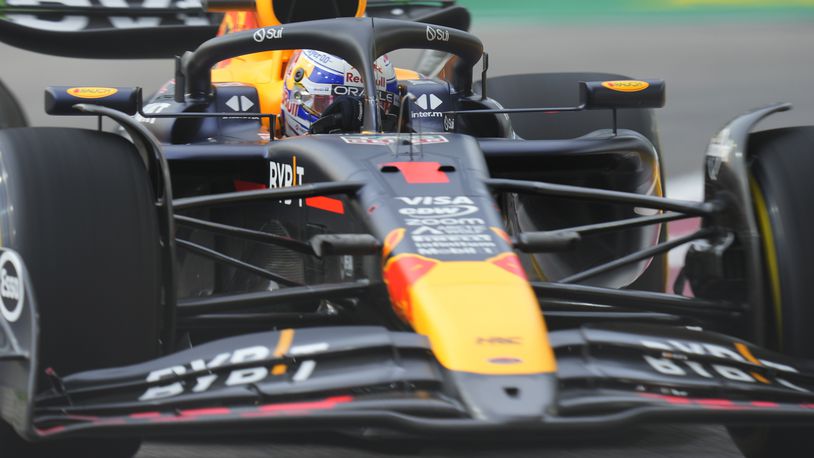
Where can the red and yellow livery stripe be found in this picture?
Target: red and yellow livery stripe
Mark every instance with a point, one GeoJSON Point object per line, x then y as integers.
{"type": "Point", "coordinates": [480, 316]}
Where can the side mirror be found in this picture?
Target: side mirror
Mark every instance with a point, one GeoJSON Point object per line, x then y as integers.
{"type": "Point", "coordinates": [60, 100]}
{"type": "Point", "coordinates": [622, 94]}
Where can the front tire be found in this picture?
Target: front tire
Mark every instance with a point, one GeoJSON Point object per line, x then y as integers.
{"type": "Point", "coordinates": [11, 114]}
{"type": "Point", "coordinates": [782, 164]}
{"type": "Point", "coordinates": [77, 206]}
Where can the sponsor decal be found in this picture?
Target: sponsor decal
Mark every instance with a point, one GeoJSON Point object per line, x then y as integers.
{"type": "Point", "coordinates": [449, 230]}
{"type": "Point", "coordinates": [446, 241]}
{"type": "Point", "coordinates": [437, 226]}
{"type": "Point", "coordinates": [437, 34]}
{"type": "Point", "coordinates": [204, 382]}
{"type": "Point", "coordinates": [626, 85]}
{"type": "Point", "coordinates": [320, 57]}
{"type": "Point", "coordinates": [353, 77]}
{"type": "Point", "coordinates": [386, 99]}
{"type": "Point", "coordinates": [437, 206]}
{"type": "Point", "coordinates": [92, 92]}
{"type": "Point", "coordinates": [283, 175]}
{"type": "Point", "coordinates": [449, 123]}
{"type": "Point", "coordinates": [271, 33]}
{"type": "Point", "coordinates": [355, 91]}
{"type": "Point", "coordinates": [12, 288]}
{"type": "Point", "coordinates": [447, 222]}
{"type": "Point", "coordinates": [426, 114]}
{"type": "Point", "coordinates": [436, 200]}
{"type": "Point", "coordinates": [676, 360]}
{"type": "Point", "coordinates": [428, 103]}
{"type": "Point", "coordinates": [434, 212]}
{"type": "Point", "coordinates": [391, 139]}
{"type": "Point", "coordinates": [246, 374]}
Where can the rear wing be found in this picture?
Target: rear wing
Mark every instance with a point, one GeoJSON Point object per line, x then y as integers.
{"type": "Point", "coordinates": [128, 30]}
{"type": "Point", "coordinates": [131, 30]}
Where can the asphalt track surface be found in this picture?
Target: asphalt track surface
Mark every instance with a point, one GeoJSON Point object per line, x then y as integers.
{"type": "Point", "coordinates": [714, 71]}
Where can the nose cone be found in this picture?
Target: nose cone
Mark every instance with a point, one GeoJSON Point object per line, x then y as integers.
{"type": "Point", "coordinates": [481, 317]}
{"type": "Point", "coordinates": [507, 398]}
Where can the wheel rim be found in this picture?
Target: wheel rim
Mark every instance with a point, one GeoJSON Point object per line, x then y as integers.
{"type": "Point", "coordinates": [769, 254]}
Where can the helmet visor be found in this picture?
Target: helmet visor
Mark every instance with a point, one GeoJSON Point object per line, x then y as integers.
{"type": "Point", "coordinates": [313, 103]}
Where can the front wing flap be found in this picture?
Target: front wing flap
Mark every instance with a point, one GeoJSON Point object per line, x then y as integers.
{"type": "Point", "coordinates": [343, 377]}
{"type": "Point", "coordinates": [677, 373]}
{"type": "Point", "coordinates": [245, 377]}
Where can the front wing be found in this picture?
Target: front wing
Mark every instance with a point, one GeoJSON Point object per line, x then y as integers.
{"type": "Point", "coordinates": [369, 377]}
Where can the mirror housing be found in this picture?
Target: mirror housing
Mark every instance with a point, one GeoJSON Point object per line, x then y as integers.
{"type": "Point", "coordinates": [595, 95]}
{"type": "Point", "coordinates": [60, 100]}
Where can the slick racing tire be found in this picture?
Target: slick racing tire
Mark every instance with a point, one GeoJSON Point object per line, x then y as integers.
{"type": "Point", "coordinates": [11, 114]}
{"type": "Point", "coordinates": [782, 166]}
{"type": "Point", "coordinates": [77, 206]}
{"type": "Point", "coordinates": [562, 90]}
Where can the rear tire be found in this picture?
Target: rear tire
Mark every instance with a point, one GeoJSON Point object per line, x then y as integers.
{"type": "Point", "coordinates": [78, 208]}
{"type": "Point", "coordinates": [11, 114]}
{"type": "Point", "coordinates": [562, 90]}
{"type": "Point", "coordinates": [782, 166]}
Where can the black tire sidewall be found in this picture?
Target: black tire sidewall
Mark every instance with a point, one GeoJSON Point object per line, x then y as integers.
{"type": "Point", "coordinates": [11, 113]}
{"type": "Point", "coordinates": [79, 210]}
{"type": "Point", "coordinates": [782, 164]}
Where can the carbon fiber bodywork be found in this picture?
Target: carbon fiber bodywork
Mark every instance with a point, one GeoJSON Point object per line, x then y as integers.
{"type": "Point", "coordinates": [371, 279]}
{"type": "Point", "coordinates": [608, 374]}
{"type": "Point", "coordinates": [370, 377]}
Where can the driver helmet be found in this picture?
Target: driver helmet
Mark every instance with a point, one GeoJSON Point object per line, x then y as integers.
{"type": "Point", "coordinates": [314, 80]}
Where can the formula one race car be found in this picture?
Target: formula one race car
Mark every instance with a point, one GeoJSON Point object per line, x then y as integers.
{"type": "Point", "coordinates": [488, 262]}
